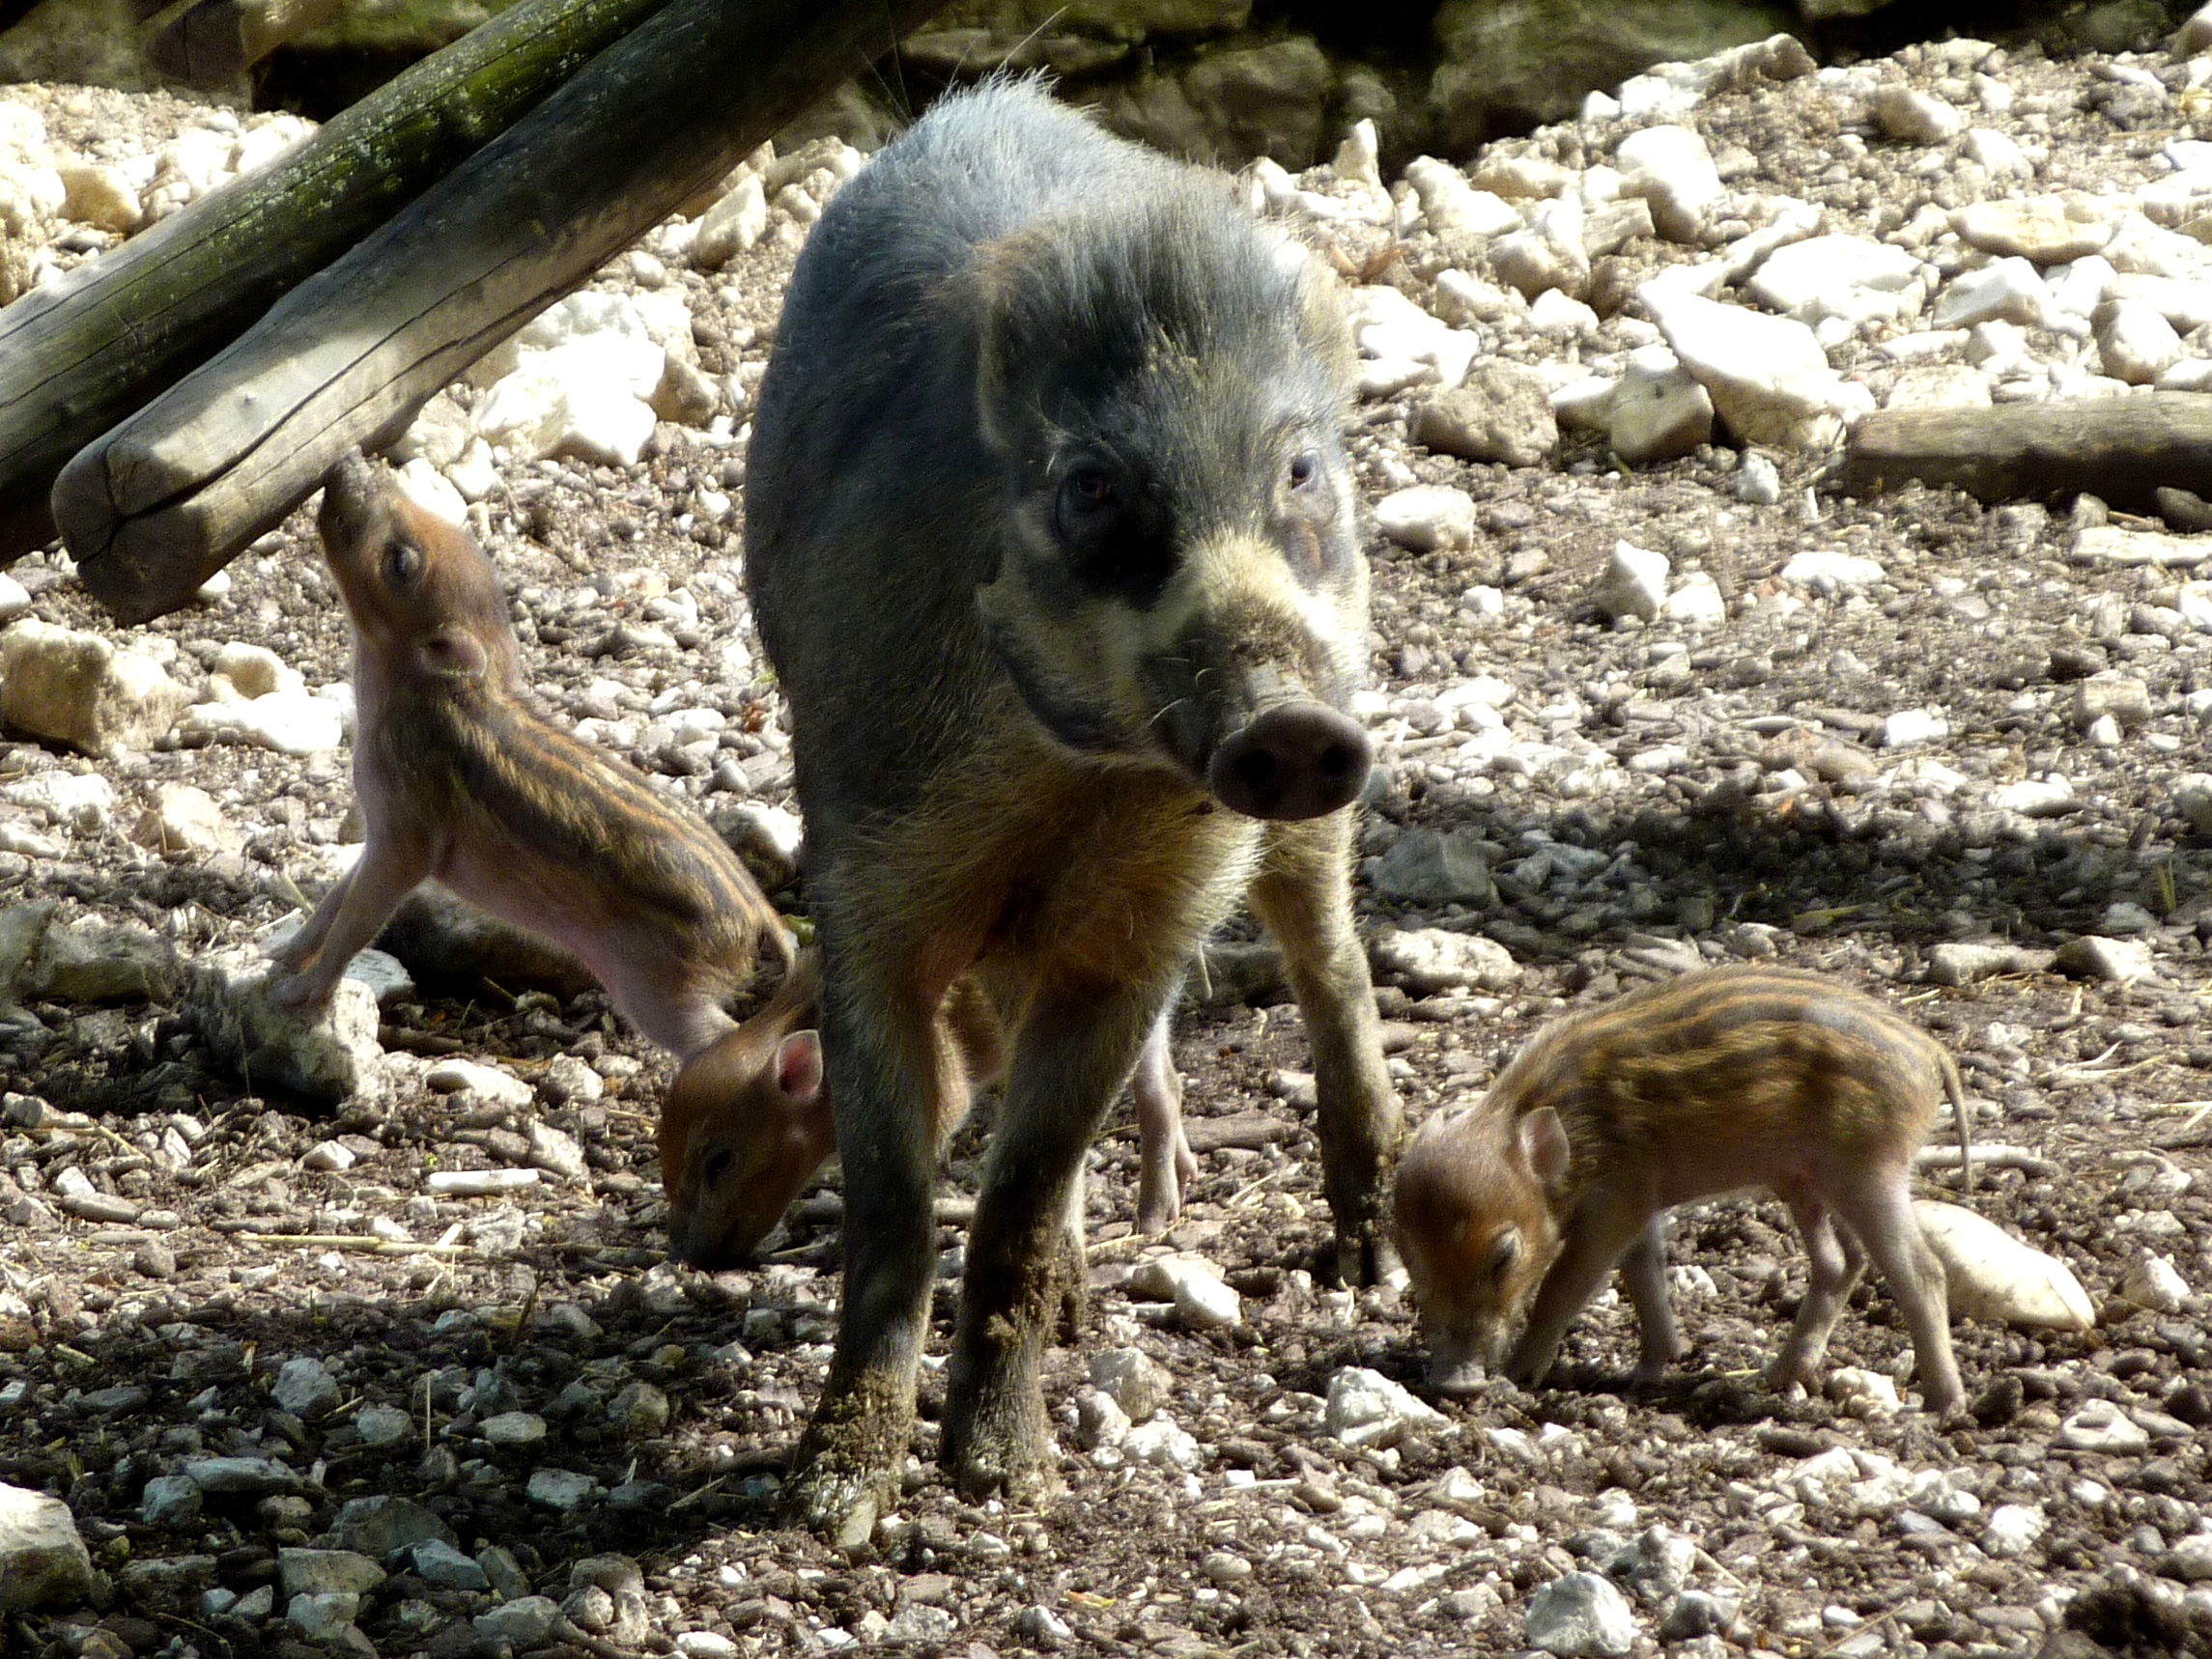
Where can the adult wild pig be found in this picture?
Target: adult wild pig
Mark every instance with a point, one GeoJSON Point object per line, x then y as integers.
{"type": "Point", "coordinates": [1050, 539]}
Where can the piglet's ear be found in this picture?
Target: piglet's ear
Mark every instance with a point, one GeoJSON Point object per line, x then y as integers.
{"type": "Point", "coordinates": [1544, 1143]}
{"type": "Point", "coordinates": [452, 653]}
{"type": "Point", "coordinates": [799, 1066]}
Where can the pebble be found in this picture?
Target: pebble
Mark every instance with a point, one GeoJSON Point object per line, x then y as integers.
{"type": "Point", "coordinates": [441, 1564]}
{"type": "Point", "coordinates": [323, 1616]}
{"type": "Point", "coordinates": [577, 380]}
{"type": "Point", "coordinates": [2118, 961]}
{"type": "Point", "coordinates": [1908, 728]}
{"type": "Point", "coordinates": [1452, 207]}
{"type": "Point", "coordinates": [1769, 376]}
{"type": "Point", "coordinates": [491, 1084]}
{"type": "Point", "coordinates": [2008, 290]}
{"type": "Point", "coordinates": [1758, 482]}
{"type": "Point", "coordinates": [184, 819]}
{"type": "Point", "coordinates": [1429, 866]}
{"type": "Point", "coordinates": [170, 1501]}
{"type": "Point", "coordinates": [305, 1388]}
{"type": "Point", "coordinates": [2136, 343]}
{"type": "Point", "coordinates": [2043, 230]}
{"type": "Point", "coordinates": [1633, 583]}
{"type": "Point", "coordinates": [513, 1431]}
{"type": "Point", "coordinates": [328, 1062]}
{"type": "Point", "coordinates": [2156, 1283]}
{"type": "Point", "coordinates": [1853, 277]}
{"type": "Point", "coordinates": [287, 723]}
{"type": "Point", "coordinates": [1581, 1615]}
{"type": "Point", "coordinates": [560, 1489]}
{"type": "Point", "coordinates": [1160, 1443]}
{"type": "Point", "coordinates": [478, 1183]}
{"type": "Point", "coordinates": [1548, 254]}
{"type": "Point", "coordinates": [556, 1152]}
{"type": "Point", "coordinates": [1128, 1378]}
{"type": "Point", "coordinates": [1829, 573]}
{"type": "Point", "coordinates": [528, 1621]}
{"type": "Point", "coordinates": [327, 1572]}
{"type": "Point", "coordinates": [1698, 1612]}
{"type": "Point", "coordinates": [639, 1410]}
{"type": "Point", "coordinates": [1203, 1300]}
{"type": "Point", "coordinates": [1913, 116]}
{"type": "Point", "coordinates": [1428, 517]}
{"type": "Point", "coordinates": [1366, 1408]}
{"type": "Point", "coordinates": [1670, 168]}
{"type": "Point", "coordinates": [1429, 960]}
{"type": "Point", "coordinates": [1658, 411]}
{"type": "Point", "coordinates": [2101, 1426]}
{"type": "Point", "coordinates": [712, 1644]}
{"type": "Point", "coordinates": [242, 1477]}
{"type": "Point", "coordinates": [1098, 1420]}
{"type": "Point", "coordinates": [383, 1424]}
{"type": "Point", "coordinates": [2189, 1561]}
{"type": "Point", "coordinates": [2012, 1529]}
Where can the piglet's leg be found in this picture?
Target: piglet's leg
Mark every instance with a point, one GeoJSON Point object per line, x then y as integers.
{"type": "Point", "coordinates": [1644, 1271]}
{"type": "Point", "coordinates": [1881, 1213]}
{"type": "Point", "coordinates": [300, 948]}
{"type": "Point", "coordinates": [387, 870]}
{"type": "Point", "coordinates": [1597, 1235]}
{"type": "Point", "coordinates": [1833, 1269]}
{"type": "Point", "coordinates": [1166, 1163]}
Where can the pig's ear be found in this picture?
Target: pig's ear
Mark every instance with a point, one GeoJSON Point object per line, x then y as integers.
{"type": "Point", "coordinates": [451, 653]}
{"type": "Point", "coordinates": [799, 1066]}
{"type": "Point", "coordinates": [1544, 1143]}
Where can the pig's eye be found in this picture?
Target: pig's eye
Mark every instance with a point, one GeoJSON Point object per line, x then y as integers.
{"type": "Point", "coordinates": [1503, 1255]}
{"type": "Point", "coordinates": [403, 565]}
{"type": "Point", "coordinates": [1305, 470]}
{"type": "Point", "coordinates": [719, 1164]}
{"type": "Point", "coordinates": [1088, 496]}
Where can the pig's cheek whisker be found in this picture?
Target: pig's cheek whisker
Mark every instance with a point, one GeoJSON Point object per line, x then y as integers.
{"type": "Point", "coordinates": [1166, 711]}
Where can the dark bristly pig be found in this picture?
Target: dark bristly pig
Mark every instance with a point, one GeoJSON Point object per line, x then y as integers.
{"type": "Point", "coordinates": [1050, 537]}
{"type": "Point", "coordinates": [1701, 1086]}
{"type": "Point", "coordinates": [459, 778]}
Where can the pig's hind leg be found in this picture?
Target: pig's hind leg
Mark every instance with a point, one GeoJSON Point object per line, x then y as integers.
{"type": "Point", "coordinates": [1643, 1270]}
{"type": "Point", "coordinates": [1881, 1212]}
{"type": "Point", "coordinates": [1832, 1268]}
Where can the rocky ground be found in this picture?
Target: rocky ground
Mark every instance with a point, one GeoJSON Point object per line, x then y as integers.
{"type": "Point", "coordinates": [411, 1375]}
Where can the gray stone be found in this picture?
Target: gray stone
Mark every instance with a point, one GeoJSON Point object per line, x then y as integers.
{"type": "Point", "coordinates": [305, 1388]}
{"type": "Point", "coordinates": [1502, 411]}
{"type": "Point", "coordinates": [327, 1572]}
{"type": "Point", "coordinates": [96, 962]}
{"type": "Point", "coordinates": [321, 1616]}
{"type": "Point", "coordinates": [171, 1500]}
{"type": "Point", "coordinates": [1963, 962]}
{"type": "Point", "coordinates": [1581, 1615]}
{"type": "Point", "coordinates": [2189, 1561]}
{"type": "Point", "coordinates": [528, 1621]}
{"type": "Point", "coordinates": [1660, 412]}
{"type": "Point", "coordinates": [561, 1489]}
{"type": "Point", "coordinates": [334, 1059]}
{"type": "Point", "coordinates": [514, 1429]}
{"type": "Point", "coordinates": [439, 1563]}
{"type": "Point", "coordinates": [42, 1562]}
{"type": "Point", "coordinates": [1698, 1612]}
{"type": "Point", "coordinates": [244, 1476]}
{"type": "Point", "coordinates": [383, 1425]}
{"type": "Point", "coordinates": [505, 1575]}
{"type": "Point", "coordinates": [1098, 1420]}
{"type": "Point", "coordinates": [376, 1527]}
{"type": "Point", "coordinates": [1432, 959]}
{"type": "Point", "coordinates": [1128, 1378]}
{"type": "Point", "coordinates": [1428, 866]}
{"type": "Point", "coordinates": [640, 1409]}
{"type": "Point", "coordinates": [2121, 961]}
{"type": "Point", "coordinates": [2122, 696]}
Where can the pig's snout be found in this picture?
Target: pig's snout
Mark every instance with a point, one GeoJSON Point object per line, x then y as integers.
{"type": "Point", "coordinates": [1456, 1367]}
{"type": "Point", "coordinates": [1296, 760]}
{"type": "Point", "coordinates": [350, 490]}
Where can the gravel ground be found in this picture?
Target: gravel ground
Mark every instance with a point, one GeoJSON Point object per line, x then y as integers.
{"type": "Point", "coordinates": [585, 1424]}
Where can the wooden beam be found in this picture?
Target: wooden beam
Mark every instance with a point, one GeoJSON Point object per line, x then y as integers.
{"type": "Point", "coordinates": [161, 503]}
{"type": "Point", "coordinates": [2123, 449]}
{"type": "Point", "coordinates": [79, 355]}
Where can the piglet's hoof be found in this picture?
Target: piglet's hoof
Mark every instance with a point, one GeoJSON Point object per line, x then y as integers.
{"type": "Point", "coordinates": [841, 1506]}
{"type": "Point", "coordinates": [293, 991]}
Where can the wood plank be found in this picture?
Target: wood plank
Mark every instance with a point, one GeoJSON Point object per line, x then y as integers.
{"type": "Point", "coordinates": [2123, 449]}
{"type": "Point", "coordinates": [156, 506]}
{"type": "Point", "coordinates": [79, 355]}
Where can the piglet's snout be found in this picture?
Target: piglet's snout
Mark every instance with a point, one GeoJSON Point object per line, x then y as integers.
{"type": "Point", "coordinates": [1294, 760]}
{"type": "Point", "coordinates": [1455, 1368]}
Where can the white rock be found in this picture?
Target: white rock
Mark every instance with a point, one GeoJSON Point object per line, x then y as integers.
{"type": "Point", "coordinates": [478, 1183]}
{"type": "Point", "coordinates": [1586, 405]}
{"type": "Point", "coordinates": [1838, 276]}
{"type": "Point", "coordinates": [328, 1060]}
{"type": "Point", "coordinates": [1463, 300]}
{"type": "Point", "coordinates": [1908, 727]}
{"type": "Point", "coordinates": [79, 690]}
{"type": "Point", "coordinates": [1768, 376]}
{"type": "Point", "coordinates": [2037, 798]}
{"type": "Point", "coordinates": [2100, 1426]}
{"type": "Point", "coordinates": [2135, 342]}
{"type": "Point", "coordinates": [1829, 573]}
{"type": "Point", "coordinates": [732, 225]}
{"type": "Point", "coordinates": [1098, 1420]}
{"type": "Point", "coordinates": [1658, 409]}
{"type": "Point", "coordinates": [1581, 1615]}
{"type": "Point", "coordinates": [1454, 207]}
{"type": "Point", "coordinates": [100, 195]}
{"type": "Point", "coordinates": [2008, 290]}
{"type": "Point", "coordinates": [1916, 117]}
{"type": "Point", "coordinates": [1366, 1408]}
{"type": "Point", "coordinates": [2043, 230]}
{"type": "Point", "coordinates": [1432, 959]}
{"type": "Point", "coordinates": [328, 1157]}
{"type": "Point", "coordinates": [1696, 601]}
{"type": "Point", "coordinates": [80, 801]}
{"type": "Point", "coordinates": [241, 672]}
{"type": "Point", "coordinates": [1428, 517]}
{"type": "Point", "coordinates": [1553, 314]}
{"type": "Point", "coordinates": [1202, 1299]}
{"type": "Point", "coordinates": [1996, 153]}
{"type": "Point", "coordinates": [1548, 254]}
{"type": "Point", "coordinates": [1670, 168]}
{"type": "Point", "coordinates": [2120, 961]}
{"type": "Point", "coordinates": [1128, 1378]}
{"type": "Point", "coordinates": [182, 818]}
{"type": "Point", "coordinates": [1758, 482]}
{"type": "Point", "coordinates": [577, 379]}
{"type": "Point", "coordinates": [2156, 1283]}
{"type": "Point", "coordinates": [2012, 1528]}
{"type": "Point", "coordinates": [429, 489]}
{"type": "Point", "coordinates": [42, 1560]}
{"type": "Point", "coordinates": [489, 1084]}
{"type": "Point", "coordinates": [1633, 583]}
{"type": "Point", "coordinates": [1993, 1276]}
{"type": "Point", "coordinates": [1862, 1393]}
{"type": "Point", "coordinates": [1163, 1445]}
{"type": "Point", "coordinates": [290, 723]}
{"type": "Point", "coordinates": [14, 600]}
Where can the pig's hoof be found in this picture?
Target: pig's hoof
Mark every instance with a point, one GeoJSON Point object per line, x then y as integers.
{"type": "Point", "coordinates": [1365, 1256]}
{"type": "Point", "coordinates": [839, 1505]}
{"type": "Point", "coordinates": [296, 991]}
{"type": "Point", "coordinates": [998, 1454]}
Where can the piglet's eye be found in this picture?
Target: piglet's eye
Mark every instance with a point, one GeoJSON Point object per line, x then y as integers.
{"type": "Point", "coordinates": [1306, 468]}
{"type": "Point", "coordinates": [403, 565]}
{"type": "Point", "coordinates": [1503, 1255]}
{"type": "Point", "coordinates": [719, 1166]}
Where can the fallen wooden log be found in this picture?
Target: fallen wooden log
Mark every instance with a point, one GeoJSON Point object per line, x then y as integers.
{"type": "Point", "coordinates": [2123, 449]}
{"type": "Point", "coordinates": [158, 505]}
{"type": "Point", "coordinates": [79, 355]}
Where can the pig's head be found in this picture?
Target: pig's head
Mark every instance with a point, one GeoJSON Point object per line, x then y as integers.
{"type": "Point", "coordinates": [1477, 1229]}
{"type": "Point", "coordinates": [744, 1126]}
{"type": "Point", "coordinates": [1180, 581]}
{"type": "Point", "coordinates": [423, 597]}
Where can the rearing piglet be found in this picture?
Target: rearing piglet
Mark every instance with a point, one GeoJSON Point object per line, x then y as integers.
{"type": "Point", "coordinates": [1698, 1087]}
{"type": "Point", "coordinates": [460, 780]}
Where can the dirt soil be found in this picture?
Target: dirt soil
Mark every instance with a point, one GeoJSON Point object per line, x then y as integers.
{"type": "Point", "coordinates": [127, 1348]}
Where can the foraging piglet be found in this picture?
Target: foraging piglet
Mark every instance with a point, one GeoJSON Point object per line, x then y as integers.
{"type": "Point", "coordinates": [461, 779]}
{"type": "Point", "coordinates": [748, 1120]}
{"type": "Point", "coordinates": [1701, 1086]}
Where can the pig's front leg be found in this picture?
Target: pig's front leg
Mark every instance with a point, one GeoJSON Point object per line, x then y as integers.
{"type": "Point", "coordinates": [388, 869]}
{"type": "Point", "coordinates": [297, 951]}
{"type": "Point", "coordinates": [1597, 1235]}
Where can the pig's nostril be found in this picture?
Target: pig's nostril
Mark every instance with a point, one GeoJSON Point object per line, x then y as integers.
{"type": "Point", "coordinates": [1296, 760]}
